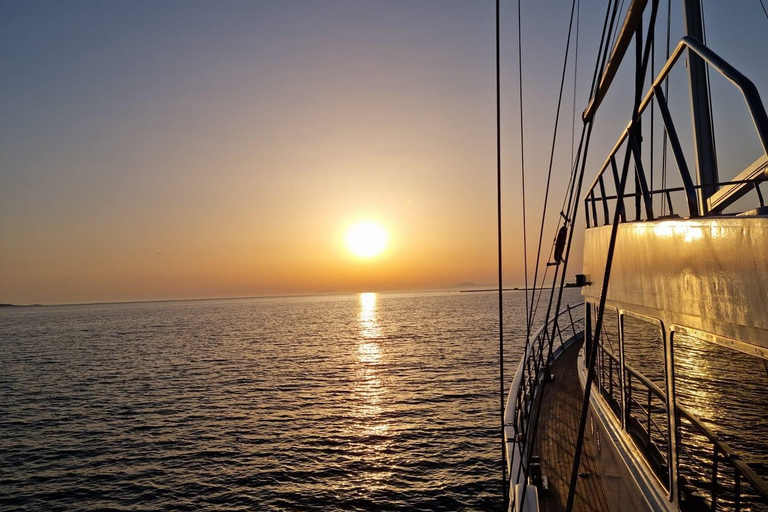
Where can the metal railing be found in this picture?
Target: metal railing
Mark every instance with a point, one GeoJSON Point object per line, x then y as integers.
{"type": "Point", "coordinates": [521, 410]}
{"type": "Point", "coordinates": [711, 476]}
{"type": "Point", "coordinates": [645, 411]}
{"type": "Point", "coordinates": [600, 202]}
{"type": "Point", "coordinates": [643, 195]}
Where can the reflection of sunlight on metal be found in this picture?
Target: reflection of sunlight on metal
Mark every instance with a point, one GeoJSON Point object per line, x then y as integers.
{"type": "Point", "coordinates": [669, 228]}
{"type": "Point", "coordinates": [368, 324]}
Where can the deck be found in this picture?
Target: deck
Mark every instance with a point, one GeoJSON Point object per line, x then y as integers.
{"type": "Point", "coordinates": [556, 442]}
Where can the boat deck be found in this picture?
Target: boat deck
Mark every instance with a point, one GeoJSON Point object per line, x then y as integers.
{"type": "Point", "coordinates": [556, 442]}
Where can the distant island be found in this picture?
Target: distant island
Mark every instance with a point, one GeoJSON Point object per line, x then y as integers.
{"type": "Point", "coordinates": [18, 305]}
{"type": "Point", "coordinates": [467, 284]}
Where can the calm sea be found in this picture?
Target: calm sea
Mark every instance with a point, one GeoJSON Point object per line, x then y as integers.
{"type": "Point", "coordinates": [364, 402]}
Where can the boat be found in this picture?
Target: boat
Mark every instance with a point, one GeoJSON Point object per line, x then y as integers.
{"type": "Point", "coordinates": [622, 402]}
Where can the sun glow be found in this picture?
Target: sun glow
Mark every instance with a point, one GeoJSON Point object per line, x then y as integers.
{"type": "Point", "coordinates": [366, 239]}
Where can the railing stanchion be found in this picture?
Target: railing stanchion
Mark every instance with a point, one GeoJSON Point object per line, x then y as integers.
{"type": "Point", "coordinates": [610, 376]}
{"type": "Point", "coordinates": [714, 478]}
{"type": "Point", "coordinates": [649, 417]}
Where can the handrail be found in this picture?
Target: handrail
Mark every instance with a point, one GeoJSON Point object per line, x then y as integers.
{"type": "Point", "coordinates": [747, 88]}
{"type": "Point", "coordinates": [525, 389]}
{"type": "Point", "coordinates": [726, 450]}
{"type": "Point", "coordinates": [721, 446]}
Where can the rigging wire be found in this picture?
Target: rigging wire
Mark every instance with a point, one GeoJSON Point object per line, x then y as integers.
{"type": "Point", "coordinates": [605, 51]}
{"type": "Point", "coordinates": [522, 183]}
{"type": "Point", "coordinates": [632, 138]}
{"type": "Point", "coordinates": [574, 191]}
{"type": "Point", "coordinates": [709, 89]}
{"type": "Point", "coordinates": [504, 485]}
{"type": "Point", "coordinates": [763, 6]}
{"type": "Point", "coordinates": [653, 108]}
{"type": "Point", "coordinates": [522, 161]}
{"type": "Point", "coordinates": [616, 26]}
{"type": "Point", "coordinates": [600, 50]}
{"type": "Point", "coordinates": [531, 314]}
{"type": "Point", "coordinates": [572, 208]}
{"type": "Point", "coordinates": [665, 142]}
{"type": "Point", "coordinates": [575, 76]}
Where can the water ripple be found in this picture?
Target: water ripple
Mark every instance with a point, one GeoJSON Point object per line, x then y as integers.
{"type": "Point", "coordinates": [372, 402]}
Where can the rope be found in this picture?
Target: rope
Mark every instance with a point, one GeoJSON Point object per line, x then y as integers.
{"type": "Point", "coordinates": [504, 484]}
{"type": "Point", "coordinates": [666, 136]}
{"type": "Point", "coordinates": [616, 26]}
{"type": "Point", "coordinates": [763, 6]}
{"type": "Point", "coordinates": [575, 76]}
{"type": "Point", "coordinates": [600, 50]}
{"type": "Point", "coordinates": [641, 71]}
{"type": "Point", "coordinates": [551, 161]}
{"type": "Point", "coordinates": [575, 184]}
{"type": "Point", "coordinates": [575, 191]}
{"type": "Point", "coordinates": [709, 90]}
{"type": "Point", "coordinates": [522, 162]}
{"type": "Point", "coordinates": [522, 183]}
{"type": "Point", "coordinates": [653, 107]}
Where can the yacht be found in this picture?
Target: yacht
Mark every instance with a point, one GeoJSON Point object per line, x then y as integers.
{"type": "Point", "coordinates": [651, 395]}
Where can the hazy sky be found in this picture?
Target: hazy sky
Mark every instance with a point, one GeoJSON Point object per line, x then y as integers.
{"type": "Point", "coordinates": [179, 149]}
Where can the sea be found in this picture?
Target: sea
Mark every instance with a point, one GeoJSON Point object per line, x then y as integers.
{"type": "Point", "coordinates": [336, 403]}
{"type": "Point", "coordinates": [364, 402]}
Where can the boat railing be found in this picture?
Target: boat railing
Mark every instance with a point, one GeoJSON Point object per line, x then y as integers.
{"type": "Point", "coordinates": [597, 196]}
{"type": "Point", "coordinates": [598, 203]}
{"type": "Point", "coordinates": [645, 411]}
{"type": "Point", "coordinates": [711, 475]}
{"type": "Point", "coordinates": [521, 410]}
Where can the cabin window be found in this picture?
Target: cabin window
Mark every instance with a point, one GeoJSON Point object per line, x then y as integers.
{"type": "Point", "coordinates": [645, 399]}
{"type": "Point", "coordinates": [608, 370]}
{"type": "Point", "coordinates": [721, 412]}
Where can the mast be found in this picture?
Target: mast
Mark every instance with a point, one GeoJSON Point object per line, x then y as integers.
{"type": "Point", "coordinates": [704, 144]}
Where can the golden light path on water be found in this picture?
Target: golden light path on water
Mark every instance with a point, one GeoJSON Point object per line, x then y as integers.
{"type": "Point", "coordinates": [370, 389]}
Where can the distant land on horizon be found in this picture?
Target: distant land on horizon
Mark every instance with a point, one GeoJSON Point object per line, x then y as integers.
{"type": "Point", "coordinates": [466, 287]}
{"type": "Point", "coordinates": [507, 289]}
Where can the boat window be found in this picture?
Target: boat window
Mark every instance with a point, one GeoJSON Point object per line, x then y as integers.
{"type": "Point", "coordinates": [646, 416]}
{"type": "Point", "coordinates": [609, 360]}
{"type": "Point", "coordinates": [720, 392]}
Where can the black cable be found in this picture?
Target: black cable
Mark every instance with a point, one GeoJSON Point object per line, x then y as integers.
{"type": "Point", "coordinates": [522, 183]}
{"type": "Point", "coordinates": [572, 208]}
{"type": "Point", "coordinates": [522, 161]}
{"type": "Point", "coordinates": [653, 104]}
{"type": "Point", "coordinates": [504, 484]}
{"type": "Point", "coordinates": [551, 161]}
{"type": "Point", "coordinates": [642, 67]}
{"type": "Point", "coordinates": [575, 77]}
{"type": "Point", "coordinates": [600, 50]}
{"type": "Point", "coordinates": [763, 6]}
{"type": "Point", "coordinates": [709, 90]}
{"type": "Point", "coordinates": [575, 189]}
{"type": "Point", "coordinates": [616, 26]}
{"type": "Point", "coordinates": [666, 136]}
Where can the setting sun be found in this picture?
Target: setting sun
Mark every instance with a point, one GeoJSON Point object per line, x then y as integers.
{"type": "Point", "coordinates": [366, 239]}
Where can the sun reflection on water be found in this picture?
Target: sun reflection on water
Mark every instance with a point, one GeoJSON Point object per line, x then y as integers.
{"type": "Point", "coordinates": [367, 322]}
{"type": "Point", "coordinates": [370, 391]}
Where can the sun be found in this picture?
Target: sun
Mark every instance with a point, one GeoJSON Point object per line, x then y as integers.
{"type": "Point", "coordinates": [366, 239]}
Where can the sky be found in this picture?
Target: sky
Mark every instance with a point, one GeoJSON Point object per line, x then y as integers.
{"type": "Point", "coordinates": [191, 149]}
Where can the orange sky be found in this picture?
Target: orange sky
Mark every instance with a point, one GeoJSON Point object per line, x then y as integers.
{"type": "Point", "coordinates": [196, 149]}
